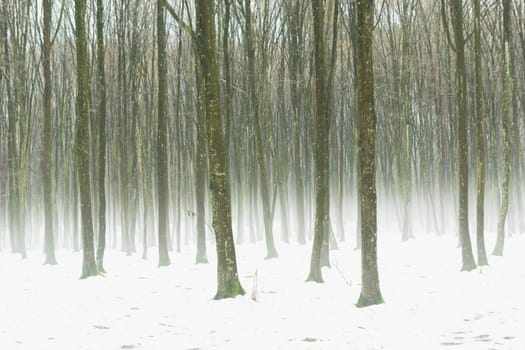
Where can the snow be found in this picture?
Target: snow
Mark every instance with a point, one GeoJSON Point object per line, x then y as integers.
{"type": "Point", "coordinates": [430, 304]}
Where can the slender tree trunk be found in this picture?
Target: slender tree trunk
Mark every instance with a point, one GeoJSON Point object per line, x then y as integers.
{"type": "Point", "coordinates": [200, 176]}
{"type": "Point", "coordinates": [480, 126]}
{"type": "Point", "coordinates": [47, 154]}
{"type": "Point", "coordinates": [162, 138]}
{"type": "Point", "coordinates": [101, 111]}
{"type": "Point", "coordinates": [271, 252]}
{"type": "Point", "coordinates": [507, 105]}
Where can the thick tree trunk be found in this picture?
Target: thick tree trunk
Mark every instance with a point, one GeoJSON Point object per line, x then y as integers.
{"type": "Point", "coordinates": [321, 153]}
{"type": "Point", "coordinates": [228, 280]}
{"type": "Point", "coordinates": [456, 8]}
{"type": "Point", "coordinates": [370, 292]}
{"type": "Point", "coordinates": [89, 267]}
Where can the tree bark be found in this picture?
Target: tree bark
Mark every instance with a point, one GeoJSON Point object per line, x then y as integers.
{"type": "Point", "coordinates": [48, 137]}
{"type": "Point", "coordinates": [228, 280]}
{"type": "Point", "coordinates": [89, 267]}
{"type": "Point", "coordinates": [456, 8]}
{"type": "Point", "coordinates": [162, 138]}
{"type": "Point", "coordinates": [507, 105]}
{"type": "Point", "coordinates": [370, 292]}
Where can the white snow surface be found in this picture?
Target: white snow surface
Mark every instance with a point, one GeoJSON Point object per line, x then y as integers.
{"type": "Point", "coordinates": [429, 303]}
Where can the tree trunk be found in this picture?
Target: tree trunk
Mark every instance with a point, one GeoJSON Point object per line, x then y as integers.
{"type": "Point", "coordinates": [469, 264]}
{"type": "Point", "coordinates": [89, 267]}
{"type": "Point", "coordinates": [370, 292]}
{"type": "Point", "coordinates": [101, 111]}
{"type": "Point", "coordinates": [321, 154]}
{"type": "Point", "coordinates": [162, 139]}
{"type": "Point", "coordinates": [228, 280]}
{"type": "Point", "coordinates": [480, 126]}
{"type": "Point", "coordinates": [507, 105]}
{"type": "Point", "coordinates": [48, 151]}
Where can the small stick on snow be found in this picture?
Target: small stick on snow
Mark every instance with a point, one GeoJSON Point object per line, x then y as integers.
{"type": "Point", "coordinates": [254, 290]}
{"type": "Point", "coordinates": [348, 282]}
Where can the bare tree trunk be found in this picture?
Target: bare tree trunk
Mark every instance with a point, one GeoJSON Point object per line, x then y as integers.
{"type": "Point", "coordinates": [228, 280]}
{"type": "Point", "coordinates": [370, 292]}
{"type": "Point", "coordinates": [507, 105]}
{"type": "Point", "coordinates": [456, 8]}
{"type": "Point", "coordinates": [480, 126]}
{"type": "Point", "coordinates": [48, 151]}
{"type": "Point", "coordinates": [89, 267]}
{"type": "Point", "coordinates": [101, 111]}
{"type": "Point", "coordinates": [162, 138]}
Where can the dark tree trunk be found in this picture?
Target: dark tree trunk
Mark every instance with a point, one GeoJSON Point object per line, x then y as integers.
{"type": "Point", "coordinates": [227, 277]}
{"type": "Point", "coordinates": [370, 292]}
{"type": "Point", "coordinates": [469, 264]}
{"type": "Point", "coordinates": [101, 111]}
{"type": "Point", "coordinates": [321, 154]}
{"type": "Point", "coordinates": [89, 267]}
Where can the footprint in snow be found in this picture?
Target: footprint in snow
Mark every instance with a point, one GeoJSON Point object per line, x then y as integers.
{"type": "Point", "coordinates": [100, 327]}
{"type": "Point", "coordinates": [309, 340]}
{"type": "Point", "coordinates": [483, 338]}
{"type": "Point", "coordinates": [450, 343]}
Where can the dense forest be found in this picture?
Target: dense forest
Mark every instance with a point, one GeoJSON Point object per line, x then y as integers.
{"type": "Point", "coordinates": [210, 124]}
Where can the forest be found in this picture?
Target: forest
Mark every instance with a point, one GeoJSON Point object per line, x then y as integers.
{"type": "Point", "coordinates": [286, 135]}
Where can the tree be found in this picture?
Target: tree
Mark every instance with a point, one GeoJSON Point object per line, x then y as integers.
{"type": "Point", "coordinates": [48, 138]}
{"type": "Point", "coordinates": [228, 280]}
{"type": "Point", "coordinates": [507, 105]}
{"type": "Point", "coordinates": [271, 252]}
{"type": "Point", "coordinates": [480, 139]}
{"type": "Point", "coordinates": [101, 136]}
{"type": "Point", "coordinates": [456, 9]}
{"type": "Point", "coordinates": [162, 138]}
{"type": "Point", "coordinates": [89, 267]}
{"type": "Point", "coordinates": [370, 292]}
{"type": "Point", "coordinates": [321, 149]}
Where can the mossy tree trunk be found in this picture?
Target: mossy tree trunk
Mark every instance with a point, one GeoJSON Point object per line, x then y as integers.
{"type": "Point", "coordinates": [370, 292]}
{"type": "Point", "coordinates": [89, 267]}
{"type": "Point", "coordinates": [227, 277]}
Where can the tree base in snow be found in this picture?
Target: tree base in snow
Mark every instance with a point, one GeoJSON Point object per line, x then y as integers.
{"type": "Point", "coordinates": [229, 290]}
{"type": "Point", "coordinates": [315, 276]}
{"type": "Point", "coordinates": [370, 300]}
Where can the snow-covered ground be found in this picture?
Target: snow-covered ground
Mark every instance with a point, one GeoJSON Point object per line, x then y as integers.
{"type": "Point", "coordinates": [429, 303]}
